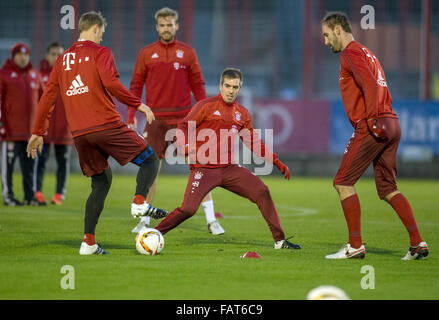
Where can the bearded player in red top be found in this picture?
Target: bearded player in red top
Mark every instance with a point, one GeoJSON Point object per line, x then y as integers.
{"type": "Point", "coordinates": [86, 77]}
{"type": "Point", "coordinates": [377, 133]}
{"type": "Point", "coordinates": [222, 117]}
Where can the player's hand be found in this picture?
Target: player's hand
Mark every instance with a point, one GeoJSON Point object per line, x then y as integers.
{"type": "Point", "coordinates": [283, 168]}
{"type": "Point", "coordinates": [133, 126]}
{"type": "Point", "coordinates": [377, 128]}
{"type": "Point", "coordinates": [34, 146]}
{"type": "Point", "coordinates": [147, 111]}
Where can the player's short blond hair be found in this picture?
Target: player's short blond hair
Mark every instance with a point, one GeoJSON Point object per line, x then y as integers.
{"type": "Point", "coordinates": [166, 12]}
{"type": "Point", "coordinates": [89, 19]}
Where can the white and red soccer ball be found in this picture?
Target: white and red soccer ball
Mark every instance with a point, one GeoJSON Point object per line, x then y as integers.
{"type": "Point", "coordinates": [149, 241]}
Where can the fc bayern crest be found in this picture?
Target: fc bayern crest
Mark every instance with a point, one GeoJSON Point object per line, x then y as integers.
{"type": "Point", "coordinates": [198, 175]}
{"type": "Point", "coordinates": [179, 54]}
{"type": "Point", "coordinates": [238, 116]}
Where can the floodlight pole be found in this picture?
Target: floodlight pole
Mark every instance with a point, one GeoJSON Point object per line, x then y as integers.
{"type": "Point", "coordinates": [307, 50]}
{"type": "Point", "coordinates": [425, 57]}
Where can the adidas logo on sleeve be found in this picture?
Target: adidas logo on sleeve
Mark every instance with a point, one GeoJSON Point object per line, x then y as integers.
{"type": "Point", "coordinates": [77, 87]}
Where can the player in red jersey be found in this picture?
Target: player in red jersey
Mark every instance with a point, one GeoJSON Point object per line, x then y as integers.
{"type": "Point", "coordinates": [58, 134]}
{"type": "Point", "coordinates": [213, 166]}
{"type": "Point", "coordinates": [377, 133]}
{"type": "Point", "coordinates": [169, 70]}
{"type": "Point", "coordinates": [86, 77]}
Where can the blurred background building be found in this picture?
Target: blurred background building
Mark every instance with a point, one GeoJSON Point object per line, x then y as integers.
{"type": "Point", "coordinates": [290, 77]}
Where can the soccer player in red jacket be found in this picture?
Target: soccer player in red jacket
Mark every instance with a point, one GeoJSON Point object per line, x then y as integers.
{"type": "Point", "coordinates": [169, 70]}
{"type": "Point", "coordinates": [58, 134]}
{"type": "Point", "coordinates": [21, 87]}
{"type": "Point", "coordinates": [222, 117]}
{"type": "Point", "coordinates": [86, 77]}
{"type": "Point", "coordinates": [377, 133]}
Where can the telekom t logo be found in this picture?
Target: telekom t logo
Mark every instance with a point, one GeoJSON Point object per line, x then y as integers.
{"type": "Point", "coordinates": [68, 59]}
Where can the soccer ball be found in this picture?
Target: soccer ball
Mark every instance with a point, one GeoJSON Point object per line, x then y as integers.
{"type": "Point", "coordinates": [149, 241]}
{"type": "Point", "coordinates": [327, 293]}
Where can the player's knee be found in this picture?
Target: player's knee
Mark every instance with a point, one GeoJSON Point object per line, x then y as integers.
{"type": "Point", "coordinates": [147, 156]}
{"type": "Point", "coordinates": [387, 195]}
{"type": "Point", "coordinates": [152, 162]}
{"type": "Point", "coordinates": [188, 212]}
{"type": "Point", "coordinates": [262, 192]}
{"type": "Point", "coordinates": [102, 182]}
{"type": "Point", "coordinates": [344, 191]}
{"type": "Point", "coordinates": [337, 188]}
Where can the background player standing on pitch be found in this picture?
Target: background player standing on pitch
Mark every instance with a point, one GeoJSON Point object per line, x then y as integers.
{"type": "Point", "coordinates": [58, 134]}
{"type": "Point", "coordinates": [222, 115]}
{"type": "Point", "coordinates": [86, 76]}
{"type": "Point", "coordinates": [377, 133]}
{"type": "Point", "coordinates": [169, 70]}
{"type": "Point", "coordinates": [20, 88]}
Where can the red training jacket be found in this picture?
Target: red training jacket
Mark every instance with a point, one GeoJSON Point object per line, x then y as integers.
{"type": "Point", "coordinates": [58, 131]}
{"type": "Point", "coordinates": [169, 73]}
{"type": "Point", "coordinates": [363, 85]}
{"type": "Point", "coordinates": [20, 90]}
{"type": "Point", "coordinates": [222, 123]}
{"type": "Point", "coordinates": [86, 76]}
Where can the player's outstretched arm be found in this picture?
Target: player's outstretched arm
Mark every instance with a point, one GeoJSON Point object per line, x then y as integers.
{"type": "Point", "coordinates": [251, 140]}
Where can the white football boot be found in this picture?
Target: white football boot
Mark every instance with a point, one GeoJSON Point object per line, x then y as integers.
{"type": "Point", "coordinates": [140, 226]}
{"type": "Point", "coordinates": [145, 209]}
{"type": "Point", "coordinates": [86, 250]}
{"type": "Point", "coordinates": [347, 252]}
{"type": "Point", "coordinates": [215, 228]}
{"type": "Point", "coordinates": [418, 252]}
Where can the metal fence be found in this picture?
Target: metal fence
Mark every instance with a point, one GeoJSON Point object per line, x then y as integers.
{"type": "Point", "coordinates": [277, 44]}
{"type": "Point", "coordinates": [288, 72]}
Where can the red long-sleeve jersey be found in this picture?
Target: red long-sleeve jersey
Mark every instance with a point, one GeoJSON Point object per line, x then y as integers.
{"type": "Point", "coordinates": [86, 76]}
{"type": "Point", "coordinates": [363, 85]}
{"type": "Point", "coordinates": [20, 90]}
{"type": "Point", "coordinates": [169, 73]}
{"type": "Point", "coordinates": [215, 125]}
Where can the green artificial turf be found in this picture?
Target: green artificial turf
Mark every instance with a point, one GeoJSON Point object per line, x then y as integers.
{"type": "Point", "coordinates": [36, 242]}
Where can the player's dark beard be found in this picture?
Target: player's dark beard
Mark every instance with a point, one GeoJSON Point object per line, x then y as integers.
{"type": "Point", "coordinates": [335, 46]}
{"type": "Point", "coordinates": [168, 38]}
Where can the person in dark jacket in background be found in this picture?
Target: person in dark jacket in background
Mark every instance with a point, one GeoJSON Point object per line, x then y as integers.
{"type": "Point", "coordinates": [21, 86]}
